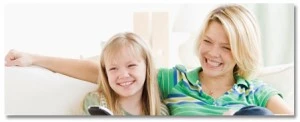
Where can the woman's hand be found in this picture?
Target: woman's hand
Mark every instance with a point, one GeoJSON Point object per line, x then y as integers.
{"type": "Point", "coordinates": [16, 58]}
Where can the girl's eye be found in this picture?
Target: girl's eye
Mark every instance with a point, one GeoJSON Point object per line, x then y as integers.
{"type": "Point", "coordinates": [132, 65]}
{"type": "Point", "coordinates": [112, 69]}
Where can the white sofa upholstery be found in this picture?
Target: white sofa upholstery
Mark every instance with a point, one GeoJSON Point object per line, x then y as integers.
{"type": "Point", "coordinates": [37, 91]}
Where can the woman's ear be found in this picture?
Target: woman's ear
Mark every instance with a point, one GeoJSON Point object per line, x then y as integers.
{"type": "Point", "coordinates": [235, 69]}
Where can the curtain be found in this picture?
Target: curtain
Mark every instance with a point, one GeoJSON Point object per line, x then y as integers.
{"type": "Point", "coordinates": [277, 28]}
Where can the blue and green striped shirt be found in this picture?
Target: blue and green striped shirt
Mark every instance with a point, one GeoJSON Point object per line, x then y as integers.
{"type": "Point", "coordinates": [183, 95]}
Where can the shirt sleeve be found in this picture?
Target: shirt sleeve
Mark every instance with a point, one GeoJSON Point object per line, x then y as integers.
{"type": "Point", "coordinates": [92, 98]}
{"type": "Point", "coordinates": [263, 93]}
{"type": "Point", "coordinates": [165, 80]}
{"type": "Point", "coordinates": [164, 111]}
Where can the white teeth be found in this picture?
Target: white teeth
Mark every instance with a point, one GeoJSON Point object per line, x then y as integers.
{"type": "Point", "coordinates": [213, 63]}
{"type": "Point", "coordinates": [125, 83]}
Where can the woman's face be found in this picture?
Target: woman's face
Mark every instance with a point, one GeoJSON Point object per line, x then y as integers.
{"type": "Point", "coordinates": [126, 73]}
{"type": "Point", "coordinates": [215, 53]}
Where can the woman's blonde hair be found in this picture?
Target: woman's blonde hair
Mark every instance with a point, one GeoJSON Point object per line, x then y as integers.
{"type": "Point", "coordinates": [138, 47]}
{"type": "Point", "coordinates": [243, 34]}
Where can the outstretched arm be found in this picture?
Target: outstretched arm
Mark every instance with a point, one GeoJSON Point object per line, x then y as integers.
{"type": "Point", "coordinates": [81, 69]}
{"type": "Point", "coordinates": [278, 106]}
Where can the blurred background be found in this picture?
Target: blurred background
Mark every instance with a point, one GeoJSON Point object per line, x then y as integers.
{"type": "Point", "coordinates": [79, 30]}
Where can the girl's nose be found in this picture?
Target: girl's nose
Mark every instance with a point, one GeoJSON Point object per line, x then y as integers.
{"type": "Point", "coordinates": [124, 74]}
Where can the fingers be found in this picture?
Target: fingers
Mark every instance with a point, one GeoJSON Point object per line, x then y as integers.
{"type": "Point", "coordinates": [13, 63]}
{"type": "Point", "coordinates": [10, 58]}
{"type": "Point", "coordinates": [16, 58]}
{"type": "Point", "coordinates": [8, 55]}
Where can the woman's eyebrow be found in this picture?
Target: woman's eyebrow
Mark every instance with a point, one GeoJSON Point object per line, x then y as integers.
{"type": "Point", "coordinates": [207, 37]}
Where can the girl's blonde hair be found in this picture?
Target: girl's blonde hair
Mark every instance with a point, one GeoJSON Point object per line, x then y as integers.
{"type": "Point", "coordinates": [138, 47]}
{"type": "Point", "coordinates": [243, 34]}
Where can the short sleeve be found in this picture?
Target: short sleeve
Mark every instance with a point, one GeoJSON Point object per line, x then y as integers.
{"type": "Point", "coordinates": [165, 80]}
{"type": "Point", "coordinates": [164, 111]}
{"type": "Point", "coordinates": [92, 98]}
{"type": "Point", "coordinates": [263, 93]}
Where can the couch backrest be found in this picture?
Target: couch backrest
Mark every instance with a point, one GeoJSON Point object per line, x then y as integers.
{"type": "Point", "coordinates": [37, 91]}
{"type": "Point", "coordinates": [281, 77]}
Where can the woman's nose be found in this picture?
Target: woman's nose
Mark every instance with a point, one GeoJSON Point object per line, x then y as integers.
{"type": "Point", "coordinates": [215, 51]}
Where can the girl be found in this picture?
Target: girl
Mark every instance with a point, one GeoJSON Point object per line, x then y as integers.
{"type": "Point", "coordinates": [127, 84]}
{"type": "Point", "coordinates": [127, 76]}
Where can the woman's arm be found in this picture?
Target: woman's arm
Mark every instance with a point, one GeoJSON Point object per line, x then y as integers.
{"type": "Point", "coordinates": [80, 69]}
{"type": "Point", "coordinates": [278, 106]}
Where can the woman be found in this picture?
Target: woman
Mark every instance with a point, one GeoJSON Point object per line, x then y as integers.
{"type": "Point", "coordinates": [228, 50]}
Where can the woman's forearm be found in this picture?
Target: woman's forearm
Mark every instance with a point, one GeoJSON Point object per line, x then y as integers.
{"type": "Point", "coordinates": [81, 69]}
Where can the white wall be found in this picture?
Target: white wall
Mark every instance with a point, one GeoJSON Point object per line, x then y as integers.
{"type": "Point", "coordinates": [68, 30]}
{"type": "Point", "coordinates": [72, 30]}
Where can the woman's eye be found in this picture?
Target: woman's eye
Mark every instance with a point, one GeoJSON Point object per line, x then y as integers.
{"type": "Point", "coordinates": [206, 41]}
{"type": "Point", "coordinates": [227, 48]}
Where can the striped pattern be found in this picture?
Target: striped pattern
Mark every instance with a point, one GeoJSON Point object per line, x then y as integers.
{"type": "Point", "coordinates": [182, 93]}
{"type": "Point", "coordinates": [94, 98]}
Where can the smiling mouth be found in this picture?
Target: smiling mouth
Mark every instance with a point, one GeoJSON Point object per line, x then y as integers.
{"type": "Point", "coordinates": [213, 63]}
{"type": "Point", "coordinates": [125, 84]}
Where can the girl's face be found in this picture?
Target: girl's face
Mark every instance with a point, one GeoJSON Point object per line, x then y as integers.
{"type": "Point", "coordinates": [126, 73]}
{"type": "Point", "coordinates": [215, 53]}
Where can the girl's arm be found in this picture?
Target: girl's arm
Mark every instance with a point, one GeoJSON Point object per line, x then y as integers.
{"type": "Point", "coordinates": [77, 68]}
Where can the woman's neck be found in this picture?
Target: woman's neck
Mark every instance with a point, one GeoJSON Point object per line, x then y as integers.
{"type": "Point", "coordinates": [224, 80]}
{"type": "Point", "coordinates": [132, 104]}
{"type": "Point", "coordinates": [216, 86]}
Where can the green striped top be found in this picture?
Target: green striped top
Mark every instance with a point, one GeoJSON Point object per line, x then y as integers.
{"type": "Point", "coordinates": [96, 99]}
{"type": "Point", "coordinates": [183, 95]}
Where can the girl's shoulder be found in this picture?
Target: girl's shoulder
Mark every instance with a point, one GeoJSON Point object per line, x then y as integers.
{"type": "Point", "coordinates": [164, 111]}
{"type": "Point", "coordinates": [95, 98]}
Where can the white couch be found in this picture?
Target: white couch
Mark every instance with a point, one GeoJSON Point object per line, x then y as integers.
{"type": "Point", "coordinates": [38, 91]}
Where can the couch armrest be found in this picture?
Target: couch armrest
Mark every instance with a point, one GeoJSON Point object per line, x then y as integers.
{"type": "Point", "coordinates": [38, 91]}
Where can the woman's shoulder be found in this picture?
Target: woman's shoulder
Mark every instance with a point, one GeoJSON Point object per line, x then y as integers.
{"type": "Point", "coordinates": [259, 85]}
{"type": "Point", "coordinates": [249, 82]}
{"type": "Point", "coordinates": [256, 82]}
{"type": "Point", "coordinates": [179, 67]}
{"type": "Point", "coordinates": [253, 85]}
